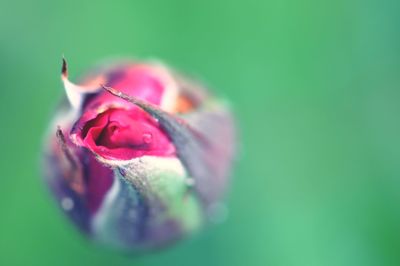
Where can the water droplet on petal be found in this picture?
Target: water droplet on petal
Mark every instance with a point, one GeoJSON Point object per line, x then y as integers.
{"type": "Point", "coordinates": [147, 138]}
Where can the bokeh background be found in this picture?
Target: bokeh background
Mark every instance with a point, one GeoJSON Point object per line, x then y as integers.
{"type": "Point", "coordinates": [316, 89]}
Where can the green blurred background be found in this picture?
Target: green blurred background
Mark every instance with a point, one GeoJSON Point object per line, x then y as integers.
{"type": "Point", "coordinates": [315, 85]}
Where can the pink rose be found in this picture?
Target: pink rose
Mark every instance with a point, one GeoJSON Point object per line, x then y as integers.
{"type": "Point", "coordinates": [115, 130]}
{"type": "Point", "coordinates": [125, 134]}
{"type": "Point", "coordinates": [141, 154]}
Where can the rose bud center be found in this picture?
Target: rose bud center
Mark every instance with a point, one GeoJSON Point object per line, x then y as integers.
{"type": "Point", "coordinates": [125, 134]}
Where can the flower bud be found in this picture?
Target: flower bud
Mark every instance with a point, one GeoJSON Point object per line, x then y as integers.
{"type": "Point", "coordinates": [137, 155]}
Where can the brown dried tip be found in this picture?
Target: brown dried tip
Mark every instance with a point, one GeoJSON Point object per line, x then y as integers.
{"type": "Point", "coordinates": [144, 105]}
{"type": "Point", "coordinates": [109, 89]}
{"type": "Point", "coordinates": [62, 142]}
{"type": "Point", "coordinates": [64, 69]}
{"type": "Point", "coordinates": [75, 179]}
{"type": "Point", "coordinates": [60, 136]}
{"type": "Point", "coordinates": [149, 108]}
{"type": "Point", "coordinates": [112, 90]}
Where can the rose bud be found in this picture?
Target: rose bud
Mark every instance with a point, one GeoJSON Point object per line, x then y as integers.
{"type": "Point", "coordinates": [137, 155]}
